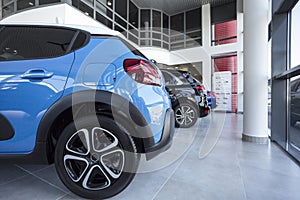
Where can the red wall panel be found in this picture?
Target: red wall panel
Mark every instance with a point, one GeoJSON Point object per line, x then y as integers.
{"type": "Point", "coordinates": [225, 30]}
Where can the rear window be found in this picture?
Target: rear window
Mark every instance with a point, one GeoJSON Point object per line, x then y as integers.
{"type": "Point", "coordinates": [173, 77]}
{"type": "Point", "coordinates": [179, 76]}
{"type": "Point", "coordinates": [17, 43]}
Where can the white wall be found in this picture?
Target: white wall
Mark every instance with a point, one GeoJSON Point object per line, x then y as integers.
{"type": "Point", "coordinates": [205, 52]}
{"type": "Point", "coordinates": [55, 14]}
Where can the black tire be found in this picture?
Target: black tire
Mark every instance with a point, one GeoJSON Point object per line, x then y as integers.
{"type": "Point", "coordinates": [100, 168]}
{"type": "Point", "coordinates": [186, 115]}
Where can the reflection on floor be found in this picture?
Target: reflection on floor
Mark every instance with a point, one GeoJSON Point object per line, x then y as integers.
{"type": "Point", "coordinates": [207, 161]}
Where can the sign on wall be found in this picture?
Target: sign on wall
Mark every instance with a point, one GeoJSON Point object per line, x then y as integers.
{"type": "Point", "coordinates": [223, 90]}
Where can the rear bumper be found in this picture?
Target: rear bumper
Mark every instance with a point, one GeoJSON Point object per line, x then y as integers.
{"type": "Point", "coordinates": [165, 143]}
{"type": "Point", "coordinates": [204, 111]}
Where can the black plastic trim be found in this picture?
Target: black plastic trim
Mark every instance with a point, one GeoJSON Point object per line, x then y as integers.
{"type": "Point", "coordinates": [38, 156]}
{"type": "Point", "coordinates": [167, 137]}
{"type": "Point", "coordinates": [6, 129]}
{"type": "Point", "coordinates": [138, 126]}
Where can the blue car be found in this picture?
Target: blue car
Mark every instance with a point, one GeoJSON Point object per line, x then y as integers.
{"type": "Point", "coordinates": [84, 99]}
{"type": "Point", "coordinates": [212, 99]}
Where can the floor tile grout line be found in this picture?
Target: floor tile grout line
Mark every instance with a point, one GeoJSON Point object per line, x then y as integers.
{"type": "Point", "coordinates": [41, 179]}
{"type": "Point", "coordinates": [155, 195]}
{"type": "Point", "coordinates": [186, 153]}
{"type": "Point", "coordinates": [242, 178]}
{"type": "Point", "coordinates": [13, 180]}
{"type": "Point", "coordinates": [34, 171]}
{"type": "Point", "coordinates": [63, 196]}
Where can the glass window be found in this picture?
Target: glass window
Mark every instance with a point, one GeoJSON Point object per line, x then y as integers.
{"type": "Point", "coordinates": [156, 43]}
{"type": "Point", "coordinates": [22, 4]}
{"type": "Point", "coordinates": [168, 78]}
{"type": "Point", "coordinates": [177, 77]}
{"type": "Point", "coordinates": [165, 45]}
{"type": "Point", "coordinates": [41, 2]}
{"type": "Point", "coordinates": [133, 39]}
{"type": "Point", "coordinates": [166, 38]}
{"type": "Point", "coordinates": [145, 19]}
{"type": "Point", "coordinates": [166, 23]}
{"type": "Point", "coordinates": [145, 42]}
{"type": "Point", "coordinates": [120, 29]}
{"type": "Point", "coordinates": [223, 13]}
{"type": "Point", "coordinates": [177, 23]}
{"type": "Point", "coordinates": [224, 33]}
{"type": "Point", "coordinates": [294, 125]}
{"type": "Point", "coordinates": [193, 35]}
{"type": "Point", "coordinates": [101, 8]}
{"type": "Point", "coordinates": [133, 31]}
{"type": "Point", "coordinates": [31, 43]}
{"type": "Point", "coordinates": [81, 40]}
{"type": "Point", "coordinates": [5, 1]}
{"type": "Point", "coordinates": [133, 15]}
{"type": "Point", "coordinates": [121, 22]}
{"type": "Point", "coordinates": [103, 20]}
{"type": "Point", "coordinates": [87, 10]}
{"type": "Point", "coordinates": [156, 36]}
{"type": "Point", "coordinates": [7, 10]}
{"type": "Point", "coordinates": [121, 8]}
{"type": "Point", "coordinates": [295, 39]}
{"type": "Point", "coordinates": [156, 20]}
{"type": "Point", "coordinates": [193, 20]}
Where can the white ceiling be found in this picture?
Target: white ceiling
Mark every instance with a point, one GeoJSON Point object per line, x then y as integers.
{"type": "Point", "coordinates": [176, 6]}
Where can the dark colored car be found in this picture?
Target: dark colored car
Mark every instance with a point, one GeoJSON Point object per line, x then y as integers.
{"type": "Point", "coordinates": [295, 101]}
{"type": "Point", "coordinates": [185, 102]}
{"type": "Point", "coordinates": [200, 89]}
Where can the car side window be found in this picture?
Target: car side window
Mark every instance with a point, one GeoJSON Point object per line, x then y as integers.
{"type": "Point", "coordinates": [18, 42]}
{"type": "Point", "coordinates": [295, 86]}
{"type": "Point", "coordinates": [169, 79]}
{"type": "Point", "coordinates": [298, 88]}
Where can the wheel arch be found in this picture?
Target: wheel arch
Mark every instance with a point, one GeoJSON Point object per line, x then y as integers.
{"type": "Point", "coordinates": [186, 100]}
{"type": "Point", "coordinates": [92, 102]}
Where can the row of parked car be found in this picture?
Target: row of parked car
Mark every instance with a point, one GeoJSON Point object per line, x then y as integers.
{"type": "Point", "coordinates": [88, 101]}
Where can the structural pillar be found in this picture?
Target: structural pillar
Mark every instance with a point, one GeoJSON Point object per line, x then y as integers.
{"type": "Point", "coordinates": [255, 126]}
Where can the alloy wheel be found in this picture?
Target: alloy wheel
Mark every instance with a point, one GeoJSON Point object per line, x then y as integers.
{"type": "Point", "coordinates": [93, 158]}
{"type": "Point", "coordinates": [185, 115]}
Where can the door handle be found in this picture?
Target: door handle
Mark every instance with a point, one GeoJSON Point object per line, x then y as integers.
{"type": "Point", "coordinates": [37, 74]}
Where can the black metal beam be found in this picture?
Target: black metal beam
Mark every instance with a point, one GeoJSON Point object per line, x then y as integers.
{"type": "Point", "coordinates": [289, 73]}
{"type": "Point", "coordinates": [286, 6]}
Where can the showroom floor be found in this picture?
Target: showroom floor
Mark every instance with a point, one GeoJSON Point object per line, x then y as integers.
{"type": "Point", "coordinates": [207, 161]}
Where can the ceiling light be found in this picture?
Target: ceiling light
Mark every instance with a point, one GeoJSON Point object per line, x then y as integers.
{"type": "Point", "coordinates": [30, 3]}
{"type": "Point", "coordinates": [109, 3]}
{"type": "Point", "coordinates": [86, 13]}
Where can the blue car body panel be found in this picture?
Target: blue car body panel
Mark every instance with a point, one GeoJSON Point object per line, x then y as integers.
{"type": "Point", "coordinates": [97, 66]}
{"type": "Point", "coordinates": [23, 101]}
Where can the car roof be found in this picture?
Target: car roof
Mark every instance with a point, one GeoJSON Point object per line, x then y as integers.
{"type": "Point", "coordinates": [94, 30]}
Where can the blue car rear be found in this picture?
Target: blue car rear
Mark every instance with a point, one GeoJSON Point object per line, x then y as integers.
{"type": "Point", "coordinates": [90, 102]}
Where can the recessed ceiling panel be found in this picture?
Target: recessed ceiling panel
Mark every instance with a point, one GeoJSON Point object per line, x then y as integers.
{"type": "Point", "coordinates": [176, 6]}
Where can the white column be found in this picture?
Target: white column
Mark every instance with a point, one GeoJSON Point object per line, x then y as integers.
{"type": "Point", "coordinates": [240, 55]}
{"type": "Point", "coordinates": [255, 71]}
{"type": "Point", "coordinates": [206, 41]}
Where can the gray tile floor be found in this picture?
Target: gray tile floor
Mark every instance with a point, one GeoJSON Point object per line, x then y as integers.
{"type": "Point", "coordinates": [191, 169]}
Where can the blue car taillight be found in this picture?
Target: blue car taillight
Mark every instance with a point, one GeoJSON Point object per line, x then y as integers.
{"type": "Point", "coordinates": [142, 71]}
